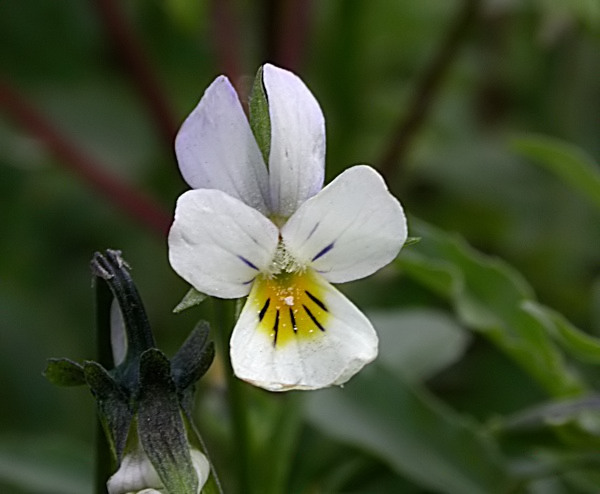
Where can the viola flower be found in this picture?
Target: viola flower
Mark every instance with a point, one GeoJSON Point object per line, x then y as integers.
{"type": "Point", "coordinates": [275, 234]}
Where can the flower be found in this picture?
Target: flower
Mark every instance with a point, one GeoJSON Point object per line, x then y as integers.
{"type": "Point", "coordinates": [137, 475]}
{"type": "Point", "coordinates": [276, 235]}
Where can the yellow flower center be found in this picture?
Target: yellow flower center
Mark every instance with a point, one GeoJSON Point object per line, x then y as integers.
{"type": "Point", "coordinates": [289, 305]}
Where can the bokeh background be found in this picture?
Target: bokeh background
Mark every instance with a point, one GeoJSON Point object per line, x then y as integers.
{"type": "Point", "coordinates": [438, 95]}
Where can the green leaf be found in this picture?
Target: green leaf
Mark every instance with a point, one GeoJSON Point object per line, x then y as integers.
{"type": "Point", "coordinates": [567, 161]}
{"type": "Point", "coordinates": [260, 121]}
{"type": "Point", "coordinates": [192, 297]}
{"type": "Point", "coordinates": [416, 344]}
{"type": "Point", "coordinates": [64, 372]}
{"type": "Point", "coordinates": [160, 425]}
{"type": "Point", "coordinates": [411, 431]}
{"type": "Point", "coordinates": [581, 345]}
{"type": "Point", "coordinates": [488, 296]}
{"type": "Point", "coordinates": [553, 413]}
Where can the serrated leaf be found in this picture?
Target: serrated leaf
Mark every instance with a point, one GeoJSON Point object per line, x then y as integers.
{"type": "Point", "coordinates": [260, 120]}
{"type": "Point", "coordinates": [64, 372]}
{"type": "Point", "coordinates": [192, 298]}
{"type": "Point", "coordinates": [567, 161]}
{"type": "Point", "coordinates": [160, 425]}
{"type": "Point", "coordinates": [412, 432]}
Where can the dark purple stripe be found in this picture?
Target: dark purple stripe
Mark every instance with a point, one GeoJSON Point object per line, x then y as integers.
{"type": "Point", "coordinates": [247, 262]}
{"type": "Point", "coordinates": [323, 251]}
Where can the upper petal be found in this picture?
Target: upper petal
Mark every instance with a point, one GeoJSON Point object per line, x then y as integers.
{"type": "Point", "coordinates": [350, 229]}
{"type": "Point", "coordinates": [300, 341]}
{"type": "Point", "coordinates": [218, 244]}
{"type": "Point", "coordinates": [216, 149]}
{"type": "Point", "coordinates": [297, 157]}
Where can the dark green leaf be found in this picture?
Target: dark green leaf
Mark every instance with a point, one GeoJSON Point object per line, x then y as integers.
{"type": "Point", "coordinates": [64, 372]}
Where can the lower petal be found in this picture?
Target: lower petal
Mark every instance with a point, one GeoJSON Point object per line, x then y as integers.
{"type": "Point", "coordinates": [297, 331]}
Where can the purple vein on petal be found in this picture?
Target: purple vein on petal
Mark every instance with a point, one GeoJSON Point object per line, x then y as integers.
{"type": "Point", "coordinates": [313, 229]}
{"type": "Point", "coordinates": [247, 262]}
{"type": "Point", "coordinates": [323, 251]}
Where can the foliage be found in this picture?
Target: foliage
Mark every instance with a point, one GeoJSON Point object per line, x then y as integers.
{"type": "Point", "coordinates": [487, 379]}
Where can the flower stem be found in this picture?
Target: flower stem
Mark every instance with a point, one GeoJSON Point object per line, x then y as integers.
{"type": "Point", "coordinates": [103, 348]}
{"type": "Point", "coordinates": [224, 320]}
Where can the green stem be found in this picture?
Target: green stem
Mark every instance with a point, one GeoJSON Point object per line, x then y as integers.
{"type": "Point", "coordinates": [103, 459]}
{"type": "Point", "coordinates": [224, 311]}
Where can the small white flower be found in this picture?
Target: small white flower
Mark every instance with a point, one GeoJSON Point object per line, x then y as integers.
{"type": "Point", "coordinates": [136, 475]}
{"type": "Point", "coordinates": [277, 235]}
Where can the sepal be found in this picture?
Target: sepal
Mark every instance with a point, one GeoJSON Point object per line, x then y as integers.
{"type": "Point", "coordinates": [193, 358]}
{"type": "Point", "coordinates": [112, 401]}
{"type": "Point", "coordinates": [260, 121]}
{"type": "Point", "coordinates": [161, 427]}
{"type": "Point", "coordinates": [64, 372]}
{"type": "Point", "coordinates": [192, 298]}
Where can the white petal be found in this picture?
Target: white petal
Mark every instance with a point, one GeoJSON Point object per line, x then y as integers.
{"type": "Point", "coordinates": [135, 473]}
{"type": "Point", "coordinates": [297, 158]}
{"type": "Point", "coordinates": [328, 348]}
{"type": "Point", "coordinates": [218, 244]}
{"type": "Point", "coordinates": [350, 229]}
{"type": "Point", "coordinates": [217, 150]}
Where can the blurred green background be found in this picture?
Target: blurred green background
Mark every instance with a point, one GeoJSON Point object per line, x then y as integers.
{"type": "Point", "coordinates": [443, 97]}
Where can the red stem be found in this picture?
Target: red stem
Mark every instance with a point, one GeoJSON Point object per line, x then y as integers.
{"type": "Point", "coordinates": [136, 204]}
{"type": "Point", "coordinates": [392, 159]}
{"type": "Point", "coordinates": [134, 59]}
{"type": "Point", "coordinates": [226, 39]}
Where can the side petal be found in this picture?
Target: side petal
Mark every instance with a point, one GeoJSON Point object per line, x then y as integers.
{"type": "Point", "coordinates": [350, 229]}
{"type": "Point", "coordinates": [216, 149]}
{"type": "Point", "coordinates": [324, 344]}
{"type": "Point", "coordinates": [218, 244]}
{"type": "Point", "coordinates": [297, 158]}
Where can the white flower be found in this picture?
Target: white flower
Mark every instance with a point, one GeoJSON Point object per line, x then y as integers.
{"type": "Point", "coordinates": [136, 475]}
{"type": "Point", "coordinates": [276, 234]}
